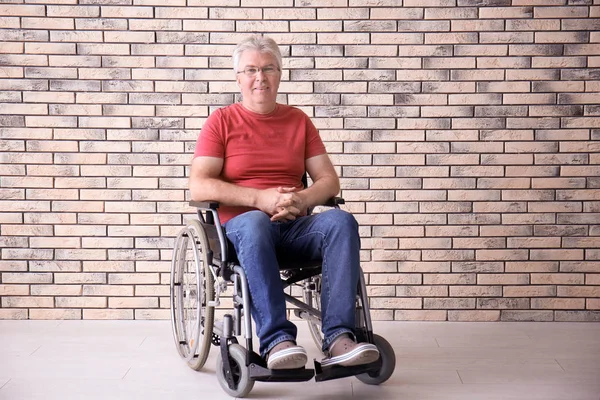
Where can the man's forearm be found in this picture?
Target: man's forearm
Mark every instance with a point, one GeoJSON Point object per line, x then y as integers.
{"type": "Point", "coordinates": [212, 189]}
{"type": "Point", "coordinates": [322, 190]}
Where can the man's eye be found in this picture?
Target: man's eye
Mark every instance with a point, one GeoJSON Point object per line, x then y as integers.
{"type": "Point", "coordinates": [251, 70]}
{"type": "Point", "coordinates": [268, 70]}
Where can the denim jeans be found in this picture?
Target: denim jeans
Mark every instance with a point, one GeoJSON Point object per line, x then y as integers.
{"type": "Point", "coordinates": [331, 236]}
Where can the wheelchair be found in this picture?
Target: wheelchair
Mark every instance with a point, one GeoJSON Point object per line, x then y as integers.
{"type": "Point", "coordinates": [204, 264]}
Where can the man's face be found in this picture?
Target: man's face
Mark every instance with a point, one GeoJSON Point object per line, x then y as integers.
{"type": "Point", "coordinates": [259, 91]}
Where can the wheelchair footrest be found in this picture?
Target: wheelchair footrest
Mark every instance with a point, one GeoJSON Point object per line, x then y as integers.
{"type": "Point", "coordinates": [336, 371]}
{"type": "Point", "coordinates": [260, 373]}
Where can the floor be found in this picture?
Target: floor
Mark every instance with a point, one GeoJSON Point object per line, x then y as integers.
{"type": "Point", "coordinates": [132, 360]}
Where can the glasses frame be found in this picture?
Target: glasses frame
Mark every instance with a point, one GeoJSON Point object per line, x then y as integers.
{"type": "Point", "coordinates": [259, 69]}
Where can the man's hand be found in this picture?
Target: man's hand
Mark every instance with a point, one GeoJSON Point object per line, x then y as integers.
{"type": "Point", "coordinates": [291, 204]}
{"type": "Point", "coordinates": [270, 200]}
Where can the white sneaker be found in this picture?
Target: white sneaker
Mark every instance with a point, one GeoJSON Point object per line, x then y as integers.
{"type": "Point", "coordinates": [346, 352]}
{"type": "Point", "coordinates": [286, 355]}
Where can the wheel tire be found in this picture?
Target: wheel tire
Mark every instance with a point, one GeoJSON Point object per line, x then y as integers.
{"type": "Point", "coordinates": [241, 375]}
{"type": "Point", "coordinates": [388, 363]}
{"type": "Point", "coordinates": [192, 287]}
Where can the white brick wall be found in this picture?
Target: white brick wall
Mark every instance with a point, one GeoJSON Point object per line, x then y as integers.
{"type": "Point", "coordinates": [466, 134]}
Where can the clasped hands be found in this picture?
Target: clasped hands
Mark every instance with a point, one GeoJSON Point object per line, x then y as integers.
{"type": "Point", "coordinates": [282, 203]}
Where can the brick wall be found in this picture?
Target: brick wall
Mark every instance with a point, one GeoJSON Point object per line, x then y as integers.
{"type": "Point", "coordinates": [466, 133]}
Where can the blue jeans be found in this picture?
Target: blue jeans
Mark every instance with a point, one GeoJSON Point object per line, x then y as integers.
{"type": "Point", "coordinates": [331, 236]}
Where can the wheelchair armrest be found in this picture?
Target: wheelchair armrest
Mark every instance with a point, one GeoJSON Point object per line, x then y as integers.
{"type": "Point", "coordinates": [334, 201]}
{"type": "Point", "coordinates": [213, 205]}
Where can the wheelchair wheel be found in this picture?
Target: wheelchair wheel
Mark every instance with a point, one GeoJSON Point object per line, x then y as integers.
{"type": "Point", "coordinates": [192, 287]}
{"type": "Point", "coordinates": [241, 376]}
{"type": "Point", "coordinates": [388, 359]}
{"type": "Point", "coordinates": [313, 299]}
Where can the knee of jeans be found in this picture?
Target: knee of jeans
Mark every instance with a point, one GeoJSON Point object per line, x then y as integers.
{"type": "Point", "coordinates": [343, 220]}
{"type": "Point", "coordinates": [254, 221]}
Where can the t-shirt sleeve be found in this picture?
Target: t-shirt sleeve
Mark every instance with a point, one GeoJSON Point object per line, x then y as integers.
{"type": "Point", "coordinates": [211, 141]}
{"type": "Point", "coordinates": [314, 144]}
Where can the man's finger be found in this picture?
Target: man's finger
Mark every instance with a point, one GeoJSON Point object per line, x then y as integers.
{"type": "Point", "coordinates": [282, 189]}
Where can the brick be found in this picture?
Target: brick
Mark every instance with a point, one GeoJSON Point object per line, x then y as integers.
{"type": "Point", "coordinates": [506, 38]}
{"type": "Point", "coordinates": [107, 314]}
{"type": "Point", "coordinates": [448, 303]}
{"type": "Point", "coordinates": [478, 243]}
{"type": "Point", "coordinates": [581, 49]}
{"type": "Point", "coordinates": [593, 304]}
{"type": "Point", "coordinates": [477, 266]}
{"type": "Point", "coordinates": [54, 314]}
{"type": "Point", "coordinates": [27, 302]}
{"type": "Point", "coordinates": [16, 314]}
{"type": "Point", "coordinates": [477, 219]}
{"type": "Point", "coordinates": [15, 290]}
{"type": "Point", "coordinates": [485, 50]}
{"type": "Point", "coordinates": [422, 291]}
{"type": "Point", "coordinates": [560, 230]}
{"type": "Point", "coordinates": [475, 291]}
{"type": "Point", "coordinates": [420, 315]}
{"type": "Point", "coordinates": [580, 266]}
{"type": "Point", "coordinates": [397, 38]}
{"type": "Point", "coordinates": [555, 304]}
{"type": "Point", "coordinates": [579, 218]}
{"type": "Point", "coordinates": [27, 254]}
{"type": "Point", "coordinates": [506, 12]}
{"type": "Point", "coordinates": [395, 303]}
{"type": "Point", "coordinates": [552, 254]}
{"type": "Point", "coordinates": [448, 183]}
{"type": "Point", "coordinates": [538, 98]}
{"type": "Point", "coordinates": [13, 266]}
{"type": "Point", "coordinates": [451, 13]}
{"type": "Point", "coordinates": [555, 207]}
{"type": "Point", "coordinates": [514, 303]}
{"type": "Point", "coordinates": [449, 38]}
{"type": "Point", "coordinates": [474, 315]}
{"type": "Point", "coordinates": [560, 12]}
{"type": "Point", "coordinates": [477, 75]}
{"type": "Point", "coordinates": [132, 302]}
{"type": "Point", "coordinates": [529, 291]}
{"type": "Point", "coordinates": [494, 255]}
{"type": "Point", "coordinates": [526, 316]}
{"type": "Point", "coordinates": [589, 242]}
{"type": "Point", "coordinates": [577, 316]}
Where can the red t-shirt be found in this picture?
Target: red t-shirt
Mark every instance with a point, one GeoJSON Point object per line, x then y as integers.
{"type": "Point", "coordinates": [259, 150]}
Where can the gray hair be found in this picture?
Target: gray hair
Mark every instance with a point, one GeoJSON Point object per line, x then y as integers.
{"type": "Point", "coordinates": [262, 44]}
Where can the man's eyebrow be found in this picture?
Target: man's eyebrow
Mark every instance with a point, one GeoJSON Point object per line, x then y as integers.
{"type": "Point", "coordinates": [255, 66]}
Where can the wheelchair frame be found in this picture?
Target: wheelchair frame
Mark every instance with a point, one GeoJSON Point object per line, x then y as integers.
{"type": "Point", "coordinates": [194, 328]}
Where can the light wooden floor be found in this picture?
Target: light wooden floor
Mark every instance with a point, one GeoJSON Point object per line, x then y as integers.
{"type": "Point", "coordinates": [129, 360]}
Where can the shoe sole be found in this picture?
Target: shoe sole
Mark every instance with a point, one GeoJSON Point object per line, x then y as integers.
{"type": "Point", "coordinates": [362, 354]}
{"type": "Point", "coordinates": [288, 359]}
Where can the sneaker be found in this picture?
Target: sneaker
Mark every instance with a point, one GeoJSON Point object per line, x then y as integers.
{"type": "Point", "coordinates": [286, 355]}
{"type": "Point", "coordinates": [346, 352]}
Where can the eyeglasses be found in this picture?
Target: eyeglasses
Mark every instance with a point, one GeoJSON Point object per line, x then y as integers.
{"type": "Point", "coordinates": [252, 71]}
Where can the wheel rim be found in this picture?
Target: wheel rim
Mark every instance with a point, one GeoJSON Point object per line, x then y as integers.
{"type": "Point", "coordinates": [235, 372]}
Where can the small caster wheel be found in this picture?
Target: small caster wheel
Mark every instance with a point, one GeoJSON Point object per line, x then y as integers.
{"type": "Point", "coordinates": [241, 376]}
{"type": "Point", "coordinates": [388, 363]}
